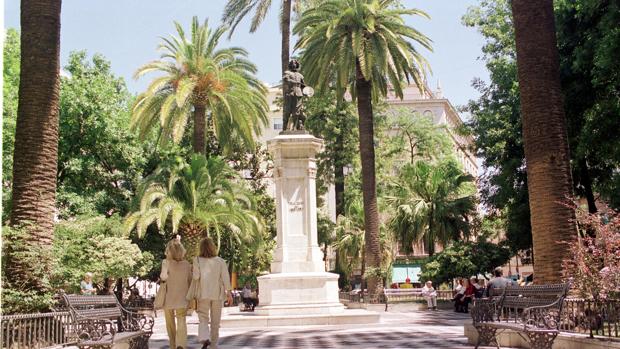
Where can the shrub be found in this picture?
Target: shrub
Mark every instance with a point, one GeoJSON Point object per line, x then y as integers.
{"type": "Point", "coordinates": [594, 265]}
{"type": "Point", "coordinates": [25, 280]}
{"type": "Point", "coordinates": [96, 245]}
{"type": "Point", "coordinates": [464, 259]}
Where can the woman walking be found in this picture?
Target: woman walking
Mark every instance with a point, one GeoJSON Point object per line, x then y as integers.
{"type": "Point", "coordinates": [177, 274]}
{"type": "Point", "coordinates": [214, 281]}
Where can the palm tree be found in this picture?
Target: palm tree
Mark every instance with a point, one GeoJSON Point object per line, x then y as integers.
{"type": "Point", "coordinates": [36, 137]}
{"type": "Point", "coordinates": [362, 45]}
{"type": "Point", "coordinates": [218, 87]}
{"type": "Point", "coordinates": [431, 203]}
{"type": "Point", "coordinates": [197, 199]}
{"type": "Point", "coordinates": [236, 10]}
{"type": "Point", "coordinates": [544, 135]}
{"type": "Point", "coordinates": [349, 241]}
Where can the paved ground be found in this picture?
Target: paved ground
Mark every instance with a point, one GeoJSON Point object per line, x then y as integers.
{"type": "Point", "coordinates": [404, 326]}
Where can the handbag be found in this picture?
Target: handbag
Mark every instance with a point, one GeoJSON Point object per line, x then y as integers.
{"type": "Point", "coordinates": [160, 296]}
{"type": "Point", "coordinates": [193, 293]}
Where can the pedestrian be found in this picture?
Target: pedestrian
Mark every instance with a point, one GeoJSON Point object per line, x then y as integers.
{"type": "Point", "coordinates": [176, 272]}
{"type": "Point", "coordinates": [498, 282]}
{"type": "Point", "coordinates": [457, 299]}
{"type": "Point", "coordinates": [212, 274]}
{"type": "Point", "coordinates": [86, 285]}
{"type": "Point", "coordinates": [429, 293]}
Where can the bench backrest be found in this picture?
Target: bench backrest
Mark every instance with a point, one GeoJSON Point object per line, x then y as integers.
{"type": "Point", "coordinates": [390, 292]}
{"type": "Point", "coordinates": [94, 307]}
{"type": "Point", "coordinates": [520, 297]}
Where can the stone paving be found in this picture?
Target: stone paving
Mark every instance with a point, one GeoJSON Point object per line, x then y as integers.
{"type": "Point", "coordinates": [404, 326]}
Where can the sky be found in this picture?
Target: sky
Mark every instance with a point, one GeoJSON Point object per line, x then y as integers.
{"type": "Point", "coordinates": [127, 32]}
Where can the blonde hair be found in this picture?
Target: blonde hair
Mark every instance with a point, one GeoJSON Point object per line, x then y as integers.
{"type": "Point", "coordinates": [207, 248]}
{"type": "Point", "coordinates": [175, 250]}
{"type": "Point", "coordinates": [88, 275]}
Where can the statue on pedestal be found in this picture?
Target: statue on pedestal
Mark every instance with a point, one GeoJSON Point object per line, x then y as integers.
{"type": "Point", "coordinates": [294, 118]}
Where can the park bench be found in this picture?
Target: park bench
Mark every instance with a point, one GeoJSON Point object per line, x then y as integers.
{"type": "Point", "coordinates": [101, 322]}
{"type": "Point", "coordinates": [533, 311]}
{"type": "Point", "coordinates": [396, 295]}
{"type": "Point", "coordinates": [400, 295]}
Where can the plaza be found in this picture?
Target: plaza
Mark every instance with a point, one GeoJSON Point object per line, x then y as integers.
{"type": "Point", "coordinates": [404, 326]}
{"type": "Point", "coordinates": [302, 161]}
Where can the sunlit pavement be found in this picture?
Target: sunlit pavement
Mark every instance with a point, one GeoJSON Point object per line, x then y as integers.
{"type": "Point", "coordinates": [403, 326]}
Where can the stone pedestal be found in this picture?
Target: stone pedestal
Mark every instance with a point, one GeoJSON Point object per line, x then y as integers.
{"type": "Point", "coordinates": [298, 283]}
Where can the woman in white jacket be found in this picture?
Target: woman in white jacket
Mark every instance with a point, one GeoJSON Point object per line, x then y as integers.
{"type": "Point", "coordinates": [212, 272]}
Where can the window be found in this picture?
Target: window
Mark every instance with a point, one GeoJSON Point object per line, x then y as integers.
{"type": "Point", "coordinates": [277, 124]}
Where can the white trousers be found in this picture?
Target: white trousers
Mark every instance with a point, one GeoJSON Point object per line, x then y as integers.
{"type": "Point", "coordinates": [209, 314]}
{"type": "Point", "coordinates": [431, 301]}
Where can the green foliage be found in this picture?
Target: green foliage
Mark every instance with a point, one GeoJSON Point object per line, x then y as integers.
{"type": "Point", "coordinates": [336, 124]}
{"type": "Point", "coordinates": [496, 123]}
{"type": "Point", "coordinates": [431, 203]}
{"type": "Point", "coordinates": [198, 74]}
{"type": "Point", "coordinates": [588, 45]}
{"type": "Point", "coordinates": [32, 291]}
{"type": "Point", "coordinates": [350, 240]}
{"type": "Point", "coordinates": [99, 161]}
{"type": "Point", "coordinates": [236, 10]}
{"type": "Point", "coordinates": [96, 245]}
{"type": "Point", "coordinates": [25, 301]}
{"type": "Point", "coordinates": [339, 35]}
{"type": "Point", "coordinates": [464, 259]}
{"type": "Point", "coordinates": [204, 191]}
{"type": "Point", "coordinates": [417, 136]}
{"type": "Point", "coordinates": [10, 75]}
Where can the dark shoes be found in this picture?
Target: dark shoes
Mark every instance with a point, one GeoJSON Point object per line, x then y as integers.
{"type": "Point", "coordinates": [206, 344]}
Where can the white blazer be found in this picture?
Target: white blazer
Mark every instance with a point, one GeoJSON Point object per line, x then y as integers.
{"type": "Point", "coordinates": [214, 277]}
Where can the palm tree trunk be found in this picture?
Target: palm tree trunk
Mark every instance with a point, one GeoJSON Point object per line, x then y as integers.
{"type": "Point", "coordinates": [367, 154]}
{"type": "Point", "coordinates": [285, 27]}
{"type": "Point", "coordinates": [544, 136]}
{"type": "Point", "coordinates": [35, 158]}
{"type": "Point", "coordinates": [200, 127]}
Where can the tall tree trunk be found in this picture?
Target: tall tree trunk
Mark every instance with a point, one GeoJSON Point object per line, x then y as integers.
{"type": "Point", "coordinates": [118, 290]}
{"type": "Point", "coordinates": [35, 158]}
{"type": "Point", "coordinates": [544, 136]}
{"type": "Point", "coordinates": [369, 191]}
{"type": "Point", "coordinates": [339, 190]}
{"type": "Point", "coordinates": [285, 27]}
{"type": "Point", "coordinates": [200, 129]}
{"type": "Point", "coordinates": [586, 181]}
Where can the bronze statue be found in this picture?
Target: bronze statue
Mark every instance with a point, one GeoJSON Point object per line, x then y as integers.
{"type": "Point", "coordinates": [293, 118]}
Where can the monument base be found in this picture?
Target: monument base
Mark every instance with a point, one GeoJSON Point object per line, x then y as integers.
{"type": "Point", "coordinates": [252, 320]}
{"type": "Point", "coordinates": [298, 294]}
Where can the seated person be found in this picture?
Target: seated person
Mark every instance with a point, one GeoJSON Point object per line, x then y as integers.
{"type": "Point", "coordinates": [429, 293]}
{"type": "Point", "coordinates": [457, 299]}
{"type": "Point", "coordinates": [499, 281]}
{"type": "Point", "coordinates": [478, 289]}
{"type": "Point", "coordinates": [468, 295]}
{"type": "Point", "coordinates": [246, 295]}
{"type": "Point", "coordinates": [86, 286]}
